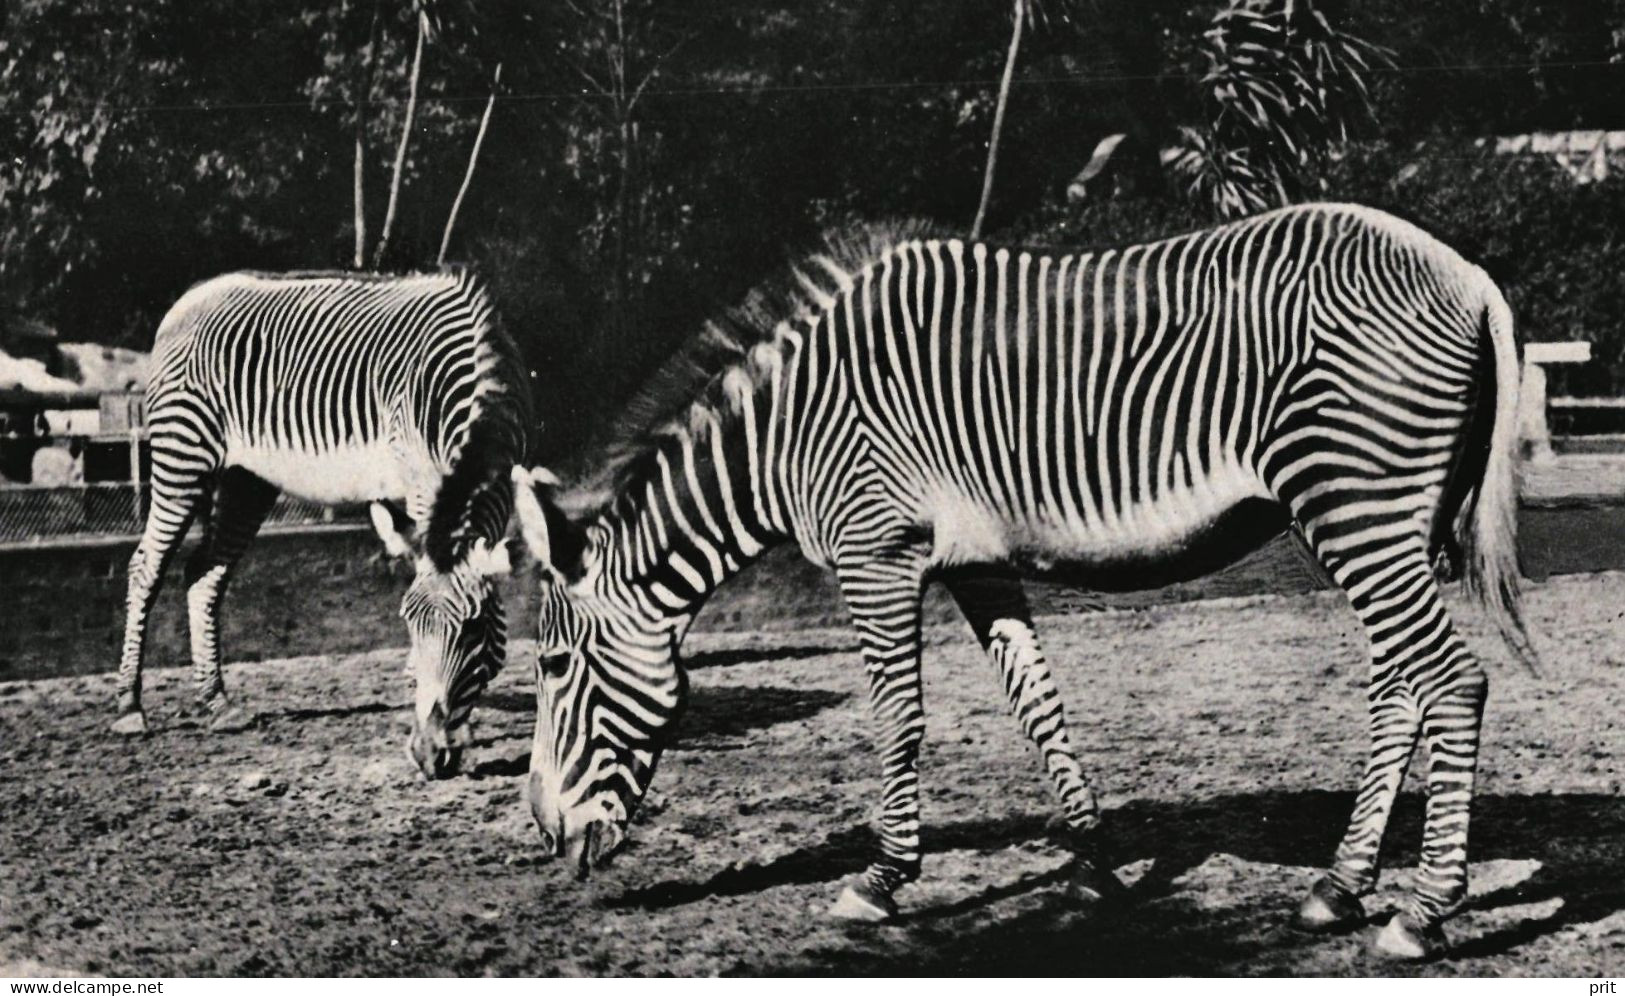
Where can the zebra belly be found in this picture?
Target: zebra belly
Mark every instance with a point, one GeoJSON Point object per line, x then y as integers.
{"type": "Point", "coordinates": [346, 474]}
{"type": "Point", "coordinates": [1176, 536]}
{"type": "Point", "coordinates": [1229, 537]}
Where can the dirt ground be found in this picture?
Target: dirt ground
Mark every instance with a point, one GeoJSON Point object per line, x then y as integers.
{"type": "Point", "coordinates": [1226, 737]}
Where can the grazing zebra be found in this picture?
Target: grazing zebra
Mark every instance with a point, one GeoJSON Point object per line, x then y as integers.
{"type": "Point", "coordinates": [1118, 419]}
{"type": "Point", "coordinates": [338, 387]}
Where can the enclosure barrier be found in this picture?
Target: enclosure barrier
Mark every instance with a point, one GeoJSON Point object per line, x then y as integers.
{"type": "Point", "coordinates": [31, 514]}
{"type": "Point", "coordinates": [1534, 432]}
{"type": "Point", "coordinates": [314, 582]}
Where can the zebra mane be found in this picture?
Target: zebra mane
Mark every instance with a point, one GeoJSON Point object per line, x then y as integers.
{"type": "Point", "coordinates": [475, 497]}
{"type": "Point", "coordinates": [461, 273]}
{"type": "Point", "coordinates": [732, 353]}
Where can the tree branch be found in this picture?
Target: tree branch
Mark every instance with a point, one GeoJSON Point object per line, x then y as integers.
{"type": "Point", "coordinates": [654, 69]}
{"type": "Point", "coordinates": [400, 150]}
{"type": "Point", "coordinates": [998, 118]}
{"type": "Point", "coordinates": [473, 158]}
{"type": "Point", "coordinates": [363, 91]}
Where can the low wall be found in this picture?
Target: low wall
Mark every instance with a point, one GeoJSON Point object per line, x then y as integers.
{"type": "Point", "coordinates": [323, 590]}
{"type": "Point", "coordinates": [310, 590]}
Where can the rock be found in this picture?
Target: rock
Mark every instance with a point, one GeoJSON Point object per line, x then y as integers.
{"type": "Point", "coordinates": [253, 781]}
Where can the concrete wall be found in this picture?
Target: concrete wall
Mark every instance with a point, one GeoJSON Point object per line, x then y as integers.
{"type": "Point", "coordinates": [311, 591]}
{"type": "Point", "coordinates": [322, 590]}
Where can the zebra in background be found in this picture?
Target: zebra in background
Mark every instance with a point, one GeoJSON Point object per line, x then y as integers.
{"type": "Point", "coordinates": [403, 392]}
{"type": "Point", "coordinates": [1116, 419]}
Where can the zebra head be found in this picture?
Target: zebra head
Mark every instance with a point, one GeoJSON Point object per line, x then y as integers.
{"type": "Point", "coordinates": [459, 635]}
{"type": "Point", "coordinates": [608, 692]}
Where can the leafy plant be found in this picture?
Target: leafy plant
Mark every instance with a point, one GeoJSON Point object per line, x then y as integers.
{"type": "Point", "coordinates": [1282, 89]}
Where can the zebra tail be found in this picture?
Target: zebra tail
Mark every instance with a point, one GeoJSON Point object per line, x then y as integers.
{"type": "Point", "coordinates": [1487, 527]}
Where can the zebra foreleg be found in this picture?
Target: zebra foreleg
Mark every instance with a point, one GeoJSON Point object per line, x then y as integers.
{"type": "Point", "coordinates": [242, 504]}
{"type": "Point", "coordinates": [883, 594]}
{"type": "Point", "coordinates": [997, 611]}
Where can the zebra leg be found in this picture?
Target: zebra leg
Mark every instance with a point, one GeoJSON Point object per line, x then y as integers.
{"type": "Point", "coordinates": [175, 501]}
{"type": "Point", "coordinates": [1424, 681]}
{"type": "Point", "coordinates": [997, 610]}
{"type": "Point", "coordinates": [883, 594]}
{"type": "Point", "coordinates": [1333, 903]}
{"type": "Point", "coordinates": [242, 502]}
{"type": "Point", "coordinates": [1452, 715]}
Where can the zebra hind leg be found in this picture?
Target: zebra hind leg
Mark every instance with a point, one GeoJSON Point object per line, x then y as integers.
{"type": "Point", "coordinates": [1333, 903]}
{"type": "Point", "coordinates": [883, 593]}
{"type": "Point", "coordinates": [997, 610]}
{"type": "Point", "coordinates": [242, 502]}
{"type": "Point", "coordinates": [175, 502]}
{"type": "Point", "coordinates": [1423, 682]}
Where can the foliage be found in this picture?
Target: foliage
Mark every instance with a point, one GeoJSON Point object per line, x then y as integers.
{"type": "Point", "coordinates": [1281, 89]}
{"type": "Point", "coordinates": [637, 177]}
{"type": "Point", "coordinates": [121, 180]}
{"type": "Point", "coordinates": [1556, 247]}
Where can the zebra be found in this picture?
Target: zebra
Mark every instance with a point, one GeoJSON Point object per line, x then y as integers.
{"type": "Point", "coordinates": [401, 392]}
{"type": "Point", "coordinates": [1120, 418]}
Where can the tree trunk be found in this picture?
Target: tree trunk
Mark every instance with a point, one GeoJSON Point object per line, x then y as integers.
{"type": "Point", "coordinates": [623, 115]}
{"type": "Point", "coordinates": [360, 186]}
{"type": "Point", "coordinates": [998, 118]}
{"type": "Point", "coordinates": [400, 150]}
{"type": "Point", "coordinates": [622, 220]}
{"type": "Point", "coordinates": [468, 175]}
{"type": "Point", "coordinates": [363, 91]}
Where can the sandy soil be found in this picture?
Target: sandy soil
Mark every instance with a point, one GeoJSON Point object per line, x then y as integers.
{"type": "Point", "coordinates": [1225, 735]}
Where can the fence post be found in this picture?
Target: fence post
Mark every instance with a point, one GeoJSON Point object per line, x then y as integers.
{"type": "Point", "coordinates": [1534, 434]}
{"type": "Point", "coordinates": [135, 473]}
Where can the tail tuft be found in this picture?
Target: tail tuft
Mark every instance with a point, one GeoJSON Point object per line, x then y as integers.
{"type": "Point", "coordinates": [1488, 524]}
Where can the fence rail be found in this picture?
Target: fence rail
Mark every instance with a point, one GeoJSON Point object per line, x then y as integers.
{"type": "Point", "coordinates": [32, 514]}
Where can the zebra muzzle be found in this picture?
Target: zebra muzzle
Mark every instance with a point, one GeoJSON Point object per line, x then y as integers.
{"type": "Point", "coordinates": [593, 846]}
{"type": "Point", "coordinates": [435, 753]}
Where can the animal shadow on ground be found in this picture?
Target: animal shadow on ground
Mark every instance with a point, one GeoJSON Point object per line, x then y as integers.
{"type": "Point", "coordinates": [714, 714]}
{"type": "Point", "coordinates": [730, 657]}
{"type": "Point", "coordinates": [524, 701]}
{"type": "Point", "coordinates": [331, 712]}
{"type": "Point", "coordinates": [714, 719]}
{"type": "Point", "coordinates": [1578, 841]}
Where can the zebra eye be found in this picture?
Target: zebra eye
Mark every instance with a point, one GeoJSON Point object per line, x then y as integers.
{"type": "Point", "coordinates": [554, 665]}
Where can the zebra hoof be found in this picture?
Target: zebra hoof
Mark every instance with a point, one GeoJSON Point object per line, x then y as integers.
{"type": "Point", "coordinates": [1401, 941]}
{"type": "Point", "coordinates": [131, 724]}
{"type": "Point", "coordinates": [230, 720]}
{"type": "Point", "coordinates": [1328, 908]}
{"type": "Point", "coordinates": [861, 904]}
{"type": "Point", "coordinates": [1091, 886]}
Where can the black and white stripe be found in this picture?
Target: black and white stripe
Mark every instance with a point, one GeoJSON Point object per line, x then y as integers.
{"type": "Point", "coordinates": [1118, 418]}
{"type": "Point", "coordinates": [338, 388]}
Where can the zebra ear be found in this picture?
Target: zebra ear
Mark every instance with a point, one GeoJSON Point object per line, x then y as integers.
{"type": "Point", "coordinates": [532, 517]}
{"type": "Point", "coordinates": [396, 542]}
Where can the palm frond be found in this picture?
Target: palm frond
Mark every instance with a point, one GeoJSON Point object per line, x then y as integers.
{"type": "Point", "coordinates": [1284, 89]}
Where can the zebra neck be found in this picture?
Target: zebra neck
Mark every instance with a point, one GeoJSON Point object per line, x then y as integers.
{"type": "Point", "coordinates": [475, 497]}
{"type": "Point", "coordinates": [689, 524]}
